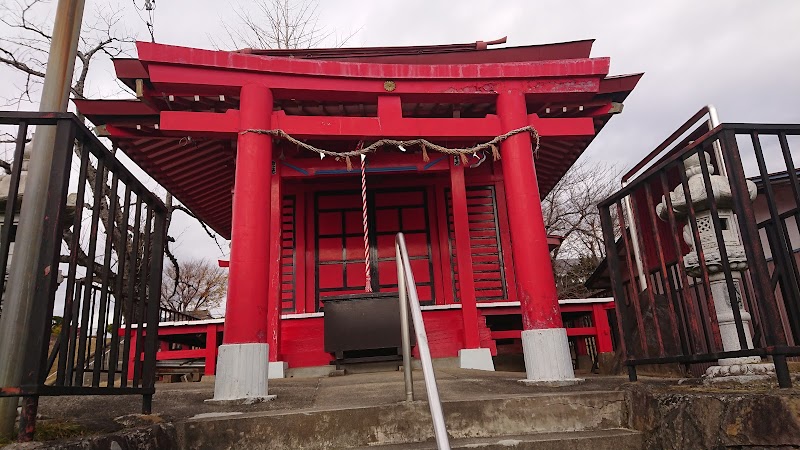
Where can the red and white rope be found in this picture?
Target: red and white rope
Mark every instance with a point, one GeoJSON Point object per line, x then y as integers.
{"type": "Point", "coordinates": [367, 272]}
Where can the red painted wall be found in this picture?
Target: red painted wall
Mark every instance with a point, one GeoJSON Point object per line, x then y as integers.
{"type": "Point", "coordinates": [302, 339]}
{"type": "Point", "coordinates": [326, 214]}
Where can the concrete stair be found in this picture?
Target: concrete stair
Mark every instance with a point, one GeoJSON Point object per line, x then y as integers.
{"type": "Point", "coordinates": [617, 439]}
{"type": "Point", "coordinates": [592, 420]}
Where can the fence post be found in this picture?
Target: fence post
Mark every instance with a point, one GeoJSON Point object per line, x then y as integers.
{"type": "Point", "coordinates": [11, 203]}
{"type": "Point", "coordinates": [752, 240]}
{"type": "Point", "coordinates": [46, 276]}
{"type": "Point", "coordinates": [153, 303]}
{"type": "Point", "coordinates": [617, 289]}
{"type": "Point", "coordinates": [18, 298]}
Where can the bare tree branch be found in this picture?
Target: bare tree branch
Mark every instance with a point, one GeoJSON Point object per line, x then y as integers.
{"type": "Point", "coordinates": [176, 271]}
{"type": "Point", "coordinates": [279, 24]}
{"type": "Point", "coordinates": [201, 285]}
{"type": "Point", "coordinates": [83, 258]}
{"type": "Point", "coordinates": [25, 49]}
{"type": "Point", "coordinates": [208, 231]}
{"type": "Point", "coordinates": [570, 211]}
{"type": "Point", "coordinates": [26, 43]}
{"type": "Point", "coordinates": [11, 59]}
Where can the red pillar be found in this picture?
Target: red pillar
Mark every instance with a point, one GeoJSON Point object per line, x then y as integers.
{"type": "Point", "coordinates": [600, 320]}
{"type": "Point", "coordinates": [275, 269]}
{"type": "Point", "coordinates": [536, 287]}
{"type": "Point", "coordinates": [580, 346]}
{"type": "Point", "coordinates": [248, 280]}
{"type": "Point", "coordinates": [131, 357]}
{"type": "Point", "coordinates": [466, 279]}
{"type": "Point", "coordinates": [211, 350]}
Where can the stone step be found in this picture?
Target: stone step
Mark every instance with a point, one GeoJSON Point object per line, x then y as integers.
{"type": "Point", "coordinates": [405, 423]}
{"type": "Point", "coordinates": [615, 439]}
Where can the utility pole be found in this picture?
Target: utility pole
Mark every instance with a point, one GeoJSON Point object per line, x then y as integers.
{"type": "Point", "coordinates": [18, 301]}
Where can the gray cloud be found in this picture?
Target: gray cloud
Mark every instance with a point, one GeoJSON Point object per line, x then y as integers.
{"type": "Point", "coordinates": [742, 56]}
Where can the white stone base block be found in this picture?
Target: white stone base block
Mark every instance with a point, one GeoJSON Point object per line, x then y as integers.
{"type": "Point", "coordinates": [739, 361]}
{"type": "Point", "coordinates": [727, 323]}
{"type": "Point", "coordinates": [277, 369]}
{"type": "Point", "coordinates": [242, 371]}
{"type": "Point", "coordinates": [476, 358]}
{"type": "Point", "coordinates": [740, 373]}
{"type": "Point", "coordinates": [547, 357]}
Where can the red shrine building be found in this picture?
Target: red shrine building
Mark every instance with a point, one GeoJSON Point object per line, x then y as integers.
{"type": "Point", "coordinates": [231, 135]}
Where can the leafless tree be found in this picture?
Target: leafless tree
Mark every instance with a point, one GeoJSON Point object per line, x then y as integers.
{"type": "Point", "coordinates": [289, 24]}
{"type": "Point", "coordinates": [199, 285]}
{"type": "Point", "coordinates": [571, 275]}
{"type": "Point", "coordinates": [24, 49]}
{"type": "Point", "coordinates": [26, 43]}
{"type": "Point", "coordinates": [570, 211]}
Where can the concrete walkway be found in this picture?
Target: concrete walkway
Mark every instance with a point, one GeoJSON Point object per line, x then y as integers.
{"type": "Point", "coordinates": [484, 409]}
{"type": "Point", "coordinates": [176, 401]}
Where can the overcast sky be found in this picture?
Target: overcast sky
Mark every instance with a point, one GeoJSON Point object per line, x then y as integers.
{"type": "Point", "coordinates": [741, 56]}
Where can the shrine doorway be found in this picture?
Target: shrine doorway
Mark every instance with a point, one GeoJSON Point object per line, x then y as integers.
{"type": "Point", "coordinates": [339, 241]}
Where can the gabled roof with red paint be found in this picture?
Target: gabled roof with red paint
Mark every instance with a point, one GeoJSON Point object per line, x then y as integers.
{"type": "Point", "coordinates": [472, 53]}
{"type": "Point", "coordinates": [561, 80]}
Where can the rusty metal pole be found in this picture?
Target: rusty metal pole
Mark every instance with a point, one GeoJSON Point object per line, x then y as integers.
{"type": "Point", "coordinates": [18, 305]}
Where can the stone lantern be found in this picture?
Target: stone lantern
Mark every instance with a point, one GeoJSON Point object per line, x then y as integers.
{"type": "Point", "coordinates": [723, 198]}
{"type": "Point", "coordinates": [5, 187]}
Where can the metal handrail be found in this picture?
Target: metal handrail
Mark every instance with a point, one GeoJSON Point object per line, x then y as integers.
{"type": "Point", "coordinates": [407, 289]}
{"type": "Point", "coordinates": [713, 121]}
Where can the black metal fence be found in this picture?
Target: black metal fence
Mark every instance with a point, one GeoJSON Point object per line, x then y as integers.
{"type": "Point", "coordinates": [172, 315]}
{"type": "Point", "coordinates": [675, 261]}
{"type": "Point", "coordinates": [105, 232]}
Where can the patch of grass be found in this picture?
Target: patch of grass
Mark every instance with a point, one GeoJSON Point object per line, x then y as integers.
{"type": "Point", "coordinates": [50, 430]}
{"type": "Point", "coordinates": [53, 430]}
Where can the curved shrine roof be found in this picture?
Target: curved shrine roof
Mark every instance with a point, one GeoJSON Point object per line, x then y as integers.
{"type": "Point", "coordinates": [176, 131]}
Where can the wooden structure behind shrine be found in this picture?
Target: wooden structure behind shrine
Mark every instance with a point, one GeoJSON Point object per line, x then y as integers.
{"type": "Point", "coordinates": [474, 231]}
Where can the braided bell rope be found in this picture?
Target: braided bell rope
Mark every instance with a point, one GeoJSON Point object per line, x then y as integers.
{"type": "Point", "coordinates": [365, 216]}
{"type": "Point", "coordinates": [424, 143]}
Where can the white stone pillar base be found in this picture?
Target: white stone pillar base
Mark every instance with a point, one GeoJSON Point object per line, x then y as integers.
{"type": "Point", "coordinates": [739, 361]}
{"type": "Point", "coordinates": [547, 358]}
{"type": "Point", "coordinates": [741, 373]}
{"type": "Point", "coordinates": [476, 358]}
{"type": "Point", "coordinates": [242, 371]}
{"type": "Point", "coordinates": [727, 323]}
{"type": "Point", "coordinates": [277, 369]}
